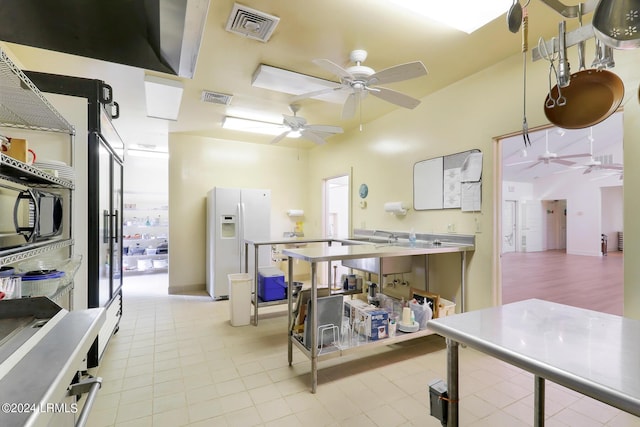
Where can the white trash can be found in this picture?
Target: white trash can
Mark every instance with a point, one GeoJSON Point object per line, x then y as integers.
{"type": "Point", "coordinates": [240, 298]}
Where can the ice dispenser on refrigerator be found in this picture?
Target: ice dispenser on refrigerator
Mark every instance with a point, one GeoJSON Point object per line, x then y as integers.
{"type": "Point", "coordinates": [228, 226]}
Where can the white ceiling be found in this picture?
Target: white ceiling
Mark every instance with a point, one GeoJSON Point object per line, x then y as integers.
{"type": "Point", "coordinates": [307, 30]}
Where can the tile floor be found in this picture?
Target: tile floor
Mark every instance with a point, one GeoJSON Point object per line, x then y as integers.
{"type": "Point", "coordinates": [177, 361]}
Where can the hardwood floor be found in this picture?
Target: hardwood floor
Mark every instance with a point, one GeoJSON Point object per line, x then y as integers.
{"type": "Point", "coordinates": [595, 283]}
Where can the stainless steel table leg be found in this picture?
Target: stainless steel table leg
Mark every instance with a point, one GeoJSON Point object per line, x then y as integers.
{"type": "Point", "coordinates": [452, 382]}
{"type": "Point", "coordinates": [256, 252]}
{"type": "Point", "coordinates": [314, 328]}
{"type": "Point", "coordinates": [291, 317]}
{"type": "Point", "coordinates": [463, 273]}
{"type": "Point", "coordinates": [538, 418]}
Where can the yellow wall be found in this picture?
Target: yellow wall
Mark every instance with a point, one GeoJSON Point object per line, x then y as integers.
{"type": "Point", "coordinates": [468, 114]}
{"type": "Point", "coordinates": [198, 164]}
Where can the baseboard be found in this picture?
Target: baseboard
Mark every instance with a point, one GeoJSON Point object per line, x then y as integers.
{"type": "Point", "coordinates": [189, 289]}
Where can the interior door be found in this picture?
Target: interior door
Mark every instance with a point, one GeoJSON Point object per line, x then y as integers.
{"type": "Point", "coordinates": [105, 223]}
{"type": "Point", "coordinates": [116, 236]}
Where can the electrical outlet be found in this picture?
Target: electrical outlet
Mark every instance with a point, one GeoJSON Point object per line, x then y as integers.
{"type": "Point", "coordinates": [478, 226]}
{"type": "Point", "coordinates": [451, 228]}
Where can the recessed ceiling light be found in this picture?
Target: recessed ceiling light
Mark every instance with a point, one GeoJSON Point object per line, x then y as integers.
{"type": "Point", "coordinates": [163, 97]}
{"type": "Point", "coordinates": [463, 15]}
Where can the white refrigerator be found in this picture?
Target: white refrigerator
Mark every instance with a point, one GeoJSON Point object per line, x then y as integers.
{"type": "Point", "coordinates": [233, 215]}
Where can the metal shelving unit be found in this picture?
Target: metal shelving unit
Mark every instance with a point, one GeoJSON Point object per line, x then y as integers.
{"type": "Point", "coordinates": [23, 106]}
{"type": "Point", "coordinates": [22, 173]}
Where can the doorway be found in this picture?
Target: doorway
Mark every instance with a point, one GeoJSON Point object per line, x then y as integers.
{"type": "Point", "coordinates": [336, 217]}
{"type": "Point", "coordinates": [555, 199]}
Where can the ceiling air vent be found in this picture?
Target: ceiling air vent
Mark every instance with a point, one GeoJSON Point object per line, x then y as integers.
{"type": "Point", "coordinates": [251, 23]}
{"type": "Point", "coordinates": [215, 97]}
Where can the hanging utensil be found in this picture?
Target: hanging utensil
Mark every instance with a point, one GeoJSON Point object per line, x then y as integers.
{"type": "Point", "coordinates": [552, 57]}
{"type": "Point", "coordinates": [604, 56]}
{"type": "Point", "coordinates": [592, 96]}
{"type": "Point", "coordinates": [564, 72]}
{"type": "Point", "coordinates": [514, 16]}
{"type": "Point", "coordinates": [617, 23]}
{"type": "Point", "coordinates": [525, 44]}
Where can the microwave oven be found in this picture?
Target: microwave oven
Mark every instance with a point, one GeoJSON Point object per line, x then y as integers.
{"type": "Point", "coordinates": [28, 215]}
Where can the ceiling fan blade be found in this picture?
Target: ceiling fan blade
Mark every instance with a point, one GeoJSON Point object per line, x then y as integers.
{"type": "Point", "coordinates": [612, 166]}
{"type": "Point", "coordinates": [312, 137]}
{"type": "Point", "coordinates": [395, 97]}
{"type": "Point", "coordinates": [520, 163]}
{"type": "Point", "coordinates": [333, 68]}
{"type": "Point", "coordinates": [562, 162]}
{"type": "Point", "coordinates": [280, 137]}
{"type": "Point", "coordinates": [573, 156]}
{"type": "Point", "coordinates": [314, 94]}
{"type": "Point", "coordinates": [399, 73]}
{"type": "Point", "coordinates": [350, 105]}
{"type": "Point", "coordinates": [324, 129]}
{"type": "Point", "coordinates": [535, 164]}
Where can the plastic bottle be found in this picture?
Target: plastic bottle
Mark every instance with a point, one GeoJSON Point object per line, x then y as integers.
{"type": "Point", "coordinates": [412, 238]}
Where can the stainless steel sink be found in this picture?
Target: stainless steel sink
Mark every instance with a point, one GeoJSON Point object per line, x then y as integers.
{"type": "Point", "coordinates": [368, 240]}
{"type": "Point", "coordinates": [425, 245]}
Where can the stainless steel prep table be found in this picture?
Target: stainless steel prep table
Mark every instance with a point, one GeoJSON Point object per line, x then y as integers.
{"type": "Point", "coordinates": [256, 245]}
{"type": "Point", "coordinates": [41, 376]}
{"type": "Point", "coordinates": [593, 353]}
{"type": "Point", "coordinates": [314, 255]}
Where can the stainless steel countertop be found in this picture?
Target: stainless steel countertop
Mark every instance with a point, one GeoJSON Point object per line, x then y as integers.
{"type": "Point", "coordinates": [594, 353]}
{"type": "Point", "coordinates": [287, 240]}
{"type": "Point", "coordinates": [368, 250]}
{"type": "Point", "coordinates": [42, 375]}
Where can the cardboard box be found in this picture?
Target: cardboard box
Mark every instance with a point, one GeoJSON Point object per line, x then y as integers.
{"type": "Point", "coordinates": [18, 149]}
{"type": "Point", "coordinates": [376, 323]}
{"type": "Point", "coordinates": [446, 308]}
{"type": "Point", "coordinates": [351, 307]}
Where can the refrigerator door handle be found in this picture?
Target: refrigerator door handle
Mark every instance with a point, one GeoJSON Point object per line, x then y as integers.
{"type": "Point", "coordinates": [116, 223]}
{"type": "Point", "coordinates": [241, 230]}
{"type": "Point", "coordinates": [106, 219]}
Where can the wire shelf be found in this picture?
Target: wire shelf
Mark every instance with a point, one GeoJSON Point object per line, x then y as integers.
{"type": "Point", "coordinates": [23, 105]}
{"type": "Point", "coordinates": [32, 250]}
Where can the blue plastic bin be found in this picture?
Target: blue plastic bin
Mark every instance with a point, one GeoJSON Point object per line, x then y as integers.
{"type": "Point", "coordinates": [271, 284]}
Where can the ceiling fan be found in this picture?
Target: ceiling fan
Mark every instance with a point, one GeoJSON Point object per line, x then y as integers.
{"type": "Point", "coordinates": [315, 133]}
{"type": "Point", "coordinates": [594, 164]}
{"type": "Point", "coordinates": [359, 80]}
{"type": "Point", "coordinates": [549, 157]}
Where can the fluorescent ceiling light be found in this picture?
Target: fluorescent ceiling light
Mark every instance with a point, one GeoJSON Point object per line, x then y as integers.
{"type": "Point", "coordinates": [463, 15]}
{"type": "Point", "coordinates": [151, 154]}
{"type": "Point", "coordinates": [285, 81]}
{"type": "Point", "coordinates": [163, 97]}
{"type": "Point", "coordinates": [256, 126]}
